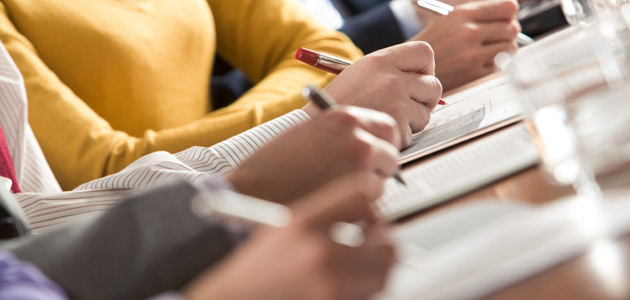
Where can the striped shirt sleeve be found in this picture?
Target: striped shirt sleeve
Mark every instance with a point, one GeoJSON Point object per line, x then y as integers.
{"type": "Point", "coordinates": [194, 162]}
{"type": "Point", "coordinates": [47, 210]}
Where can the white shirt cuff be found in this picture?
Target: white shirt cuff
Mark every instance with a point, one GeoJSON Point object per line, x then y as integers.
{"type": "Point", "coordinates": [405, 14]}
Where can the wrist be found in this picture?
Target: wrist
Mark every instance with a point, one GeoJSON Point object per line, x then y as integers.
{"type": "Point", "coordinates": [237, 183]}
{"type": "Point", "coordinates": [311, 110]}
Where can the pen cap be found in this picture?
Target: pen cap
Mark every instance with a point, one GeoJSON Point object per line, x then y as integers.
{"type": "Point", "coordinates": [307, 56]}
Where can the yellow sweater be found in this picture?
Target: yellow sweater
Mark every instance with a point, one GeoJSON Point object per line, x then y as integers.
{"type": "Point", "coordinates": [111, 80]}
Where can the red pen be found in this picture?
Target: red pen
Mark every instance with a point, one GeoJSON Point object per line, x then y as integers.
{"type": "Point", "coordinates": [326, 62]}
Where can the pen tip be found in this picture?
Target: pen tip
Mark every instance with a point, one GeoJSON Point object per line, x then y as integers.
{"type": "Point", "coordinates": [399, 179]}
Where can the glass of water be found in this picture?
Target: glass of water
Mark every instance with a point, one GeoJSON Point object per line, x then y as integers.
{"type": "Point", "coordinates": [578, 12]}
{"type": "Point", "coordinates": [575, 84]}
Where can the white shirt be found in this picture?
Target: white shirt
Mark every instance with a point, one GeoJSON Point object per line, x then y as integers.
{"type": "Point", "coordinates": [403, 10]}
{"type": "Point", "coordinates": [46, 206]}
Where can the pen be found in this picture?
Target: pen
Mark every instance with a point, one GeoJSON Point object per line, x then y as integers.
{"type": "Point", "coordinates": [326, 62]}
{"type": "Point", "coordinates": [243, 213]}
{"type": "Point", "coordinates": [444, 9]}
{"type": "Point", "coordinates": [324, 102]}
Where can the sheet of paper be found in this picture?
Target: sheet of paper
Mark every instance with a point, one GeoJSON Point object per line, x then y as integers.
{"type": "Point", "coordinates": [515, 247]}
{"type": "Point", "coordinates": [459, 171]}
{"type": "Point", "coordinates": [468, 114]}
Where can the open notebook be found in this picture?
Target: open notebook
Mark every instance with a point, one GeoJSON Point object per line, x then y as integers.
{"type": "Point", "coordinates": [470, 113]}
{"type": "Point", "coordinates": [451, 174]}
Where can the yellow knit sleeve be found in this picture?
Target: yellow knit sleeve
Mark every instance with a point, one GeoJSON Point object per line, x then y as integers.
{"type": "Point", "coordinates": [260, 38]}
{"type": "Point", "coordinates": [76, 142]}
{"type": "Point", "coordinates": [81, 146]}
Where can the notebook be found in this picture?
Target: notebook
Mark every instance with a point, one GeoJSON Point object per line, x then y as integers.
{"type": "Point", "coordinates": [470, 113]}
{"type": "Point", "coordinates": [515, 247]}
{"type": "Point", "coordinates": [459, 171]}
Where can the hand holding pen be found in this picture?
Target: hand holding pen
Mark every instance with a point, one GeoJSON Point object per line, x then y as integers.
{"type": "Point", "coordinates": [467, 39]}
{"type": "Point", "coordinates": [399, 80]}
{"type": "Point", "coordinates": [444, 9]}
{"type": "Point", "coordinates": [324, 102]}
{"type": "Point", "coordinates": [314, 235]}
{"type": "Point", "coordinates": [326, 62]}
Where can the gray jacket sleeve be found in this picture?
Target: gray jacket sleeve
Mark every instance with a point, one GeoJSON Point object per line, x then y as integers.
{"type": "Point", "coordinates": [149, 243]}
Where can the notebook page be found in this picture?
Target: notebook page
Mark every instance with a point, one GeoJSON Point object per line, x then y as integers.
{"type": "Point", "coordinates": [446, 176]}
{"type": "Point", "coordinates": [470, 113]}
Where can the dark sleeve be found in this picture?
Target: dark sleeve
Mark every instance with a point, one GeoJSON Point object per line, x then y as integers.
{"type": "Point", "coordinates": [374, 29]}
{"type": "Point", "coordinates": [149, 243]}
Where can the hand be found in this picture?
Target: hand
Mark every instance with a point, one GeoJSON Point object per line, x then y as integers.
{"type": "Point", "coordinates": [398, 80]}
{"type": "Point", "coordinates": [302, 261]}
{"type": "Point", "coordinates": [311, 154]}
{"type": "Point", "coordinates": [467, 40]}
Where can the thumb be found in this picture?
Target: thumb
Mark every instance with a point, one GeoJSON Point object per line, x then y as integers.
{"type": "Point", "coordinates": [495, 10]}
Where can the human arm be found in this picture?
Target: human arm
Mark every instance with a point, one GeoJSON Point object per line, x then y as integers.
{"type": "Point", "coordinates": [260, 38]}
{"type": "Point", "coordinates": [81, 145]}
{"type": "Point", "coordinates": [155, 243]}
{"type": "Point", "coordinates": [398, 80]}
{"type": "Point", "coordinates": [268, 175]}
{"type": "Point", "coordinates": [305, 157]}
{"type": "Point", "coordinates": [48, 210]}
{"type": "Point", "coordinates": [147, 244]}
{"type": "Point", "coordinates": [312, 265]}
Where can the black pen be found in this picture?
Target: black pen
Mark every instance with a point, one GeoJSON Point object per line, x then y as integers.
{"type": "Point", "coordinates": [324, 102]}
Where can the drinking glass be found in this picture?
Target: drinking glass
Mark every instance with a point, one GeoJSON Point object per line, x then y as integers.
{"type": "Point", "coordinates": [578, 13]}
{"type": "Point", "coordinates": [575, 86]}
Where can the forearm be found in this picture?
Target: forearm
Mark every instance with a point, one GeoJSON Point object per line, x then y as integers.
{"type": "Point", "coordinates": [261, 37]}
{"type": "Point", "coordinates": [46, 210]}
{"type": "Point", "coordinates": [110, 257]}
{"type": "Point", "coordinates": [195, 162]}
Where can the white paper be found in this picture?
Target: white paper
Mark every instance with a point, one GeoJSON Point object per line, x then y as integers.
{"type": "Point", "coordinates": [468, 112]}
{"type": "Point", "coordinates": [451, 174]}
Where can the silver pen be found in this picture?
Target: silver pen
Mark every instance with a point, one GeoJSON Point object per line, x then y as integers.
{"type": "Point", "coordinates": [244, 213]}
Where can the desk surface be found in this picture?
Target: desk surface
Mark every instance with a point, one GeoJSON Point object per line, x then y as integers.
{"type": "Point", "coordinates": [578, 278]}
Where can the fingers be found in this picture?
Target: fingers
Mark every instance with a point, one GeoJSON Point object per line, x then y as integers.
{"type": "Point", "coordinates": [491, 50]}
{"type": "Point", "coordinates": [371, 138]}
{"type": "Point", "coordinates": [364, 278]}
{"type": "Point", "coordinates": [498, 32]}
{"type": "Point", "coordinates": [425, 89]}
{"type": "Point", "coordinates": [407, 136]}
{"type": "Point", "coordinates": [418, 116]}
{"type": "Point", "coordinates": [413, 57]}
{"type": "Point", "coordinates": [425, 92]}
{"type": "Point", "coordinates": [384, 156]}
{"type": "Point", "coordinates": [341, 200]}
{"type": "Point", "coordinates": [377, 123]}
{"type": "Point", "coordinates": [492, 10]}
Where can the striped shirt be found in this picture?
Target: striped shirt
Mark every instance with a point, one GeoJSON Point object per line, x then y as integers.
{"type": "Point", "coordinates": [46, 206]}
